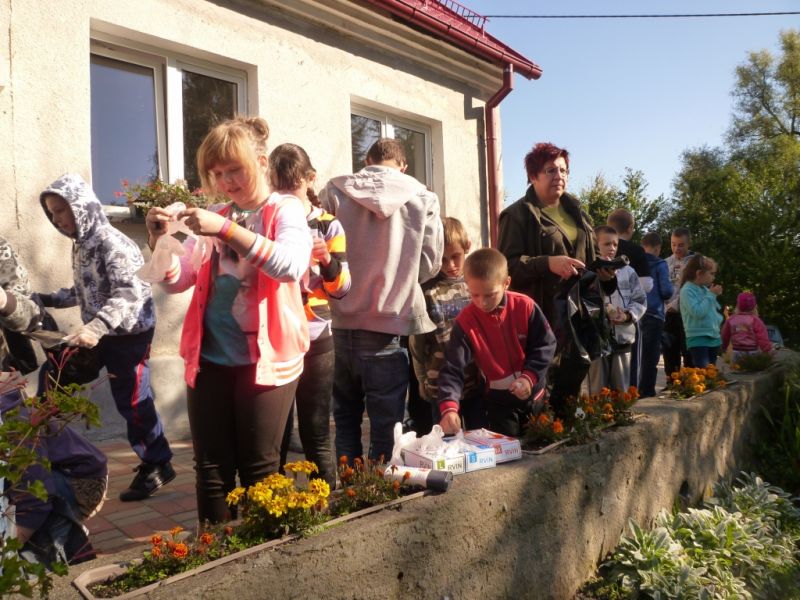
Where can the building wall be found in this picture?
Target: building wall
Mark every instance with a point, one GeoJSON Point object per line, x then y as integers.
{"type": "Point", "coordinates": [302, 77]}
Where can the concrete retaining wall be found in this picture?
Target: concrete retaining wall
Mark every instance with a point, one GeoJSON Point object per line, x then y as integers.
{"type": "Point", "coordinates": [535, 528]}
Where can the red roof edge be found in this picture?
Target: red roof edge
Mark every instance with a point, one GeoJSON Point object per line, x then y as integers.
{"type": "Point", "coordinates": [462, 28]}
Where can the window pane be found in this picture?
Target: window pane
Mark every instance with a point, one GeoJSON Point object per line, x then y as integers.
{"type": "Point", "coordinates": [124, 140]}
{"type": "Point", "coordinates": [364, 132]}
{"type": "Point", "coordinates": [414, 144]}
{"type": "Point", "coordinates": [206, 102]}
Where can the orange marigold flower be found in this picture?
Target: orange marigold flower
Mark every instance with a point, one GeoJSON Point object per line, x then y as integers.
{"type": "Point", "coordinates": [607, 417]}
{"type": "Point", "coordinates": [396, 486]}
{"type": "Point", "coordinates": [558, 426]}
{"type": "Point", "coordinates": [155, 552]}
{"type": "Point", "coordinates": [342, 460]}
{"type": "Point", "coordinates": [180, 550]}
{"type": "Point", "coordinates": [156, 540]}
{"type": "Point", "coordinates": [175, 530]}
{"type": "Point", "coordinates": [406, 475]}
{"type": "Point", "coordinates": [228, 530]}
{"type": "Point", "coordinates": [543, 420]}
{"type": "Point", "coordinates": [206, 539]}
{"type": "Point", "coordinates": [607, 407]}
{"type": "Point", "coordinates": [351, 493]}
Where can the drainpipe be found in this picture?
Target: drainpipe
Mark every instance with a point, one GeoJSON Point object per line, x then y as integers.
{"type": "Point", "coordinates": [495, 199]}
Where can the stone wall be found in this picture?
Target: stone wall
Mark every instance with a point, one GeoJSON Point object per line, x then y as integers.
{"type": "Point", "coordinates": [535, 528]}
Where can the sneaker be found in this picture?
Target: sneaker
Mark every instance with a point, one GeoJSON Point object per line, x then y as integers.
{"type": "Point", "coordinates": [148, 479]}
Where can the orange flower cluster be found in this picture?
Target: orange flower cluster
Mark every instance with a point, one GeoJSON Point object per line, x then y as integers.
{"type": "Point", "coordinates": [690, 381]}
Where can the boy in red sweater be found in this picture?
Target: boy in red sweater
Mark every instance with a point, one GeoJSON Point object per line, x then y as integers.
{"type": "Point", "coordinates": [508, 337]}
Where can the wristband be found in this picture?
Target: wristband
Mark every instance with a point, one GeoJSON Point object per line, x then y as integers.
{"type": "Point", "coordinates": [226, 233]}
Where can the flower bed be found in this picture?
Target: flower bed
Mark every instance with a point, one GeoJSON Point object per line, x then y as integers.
{"type": "Point", "coordinates": [274, 511]}
{"type": "Point", "coordinates": [692, 381]}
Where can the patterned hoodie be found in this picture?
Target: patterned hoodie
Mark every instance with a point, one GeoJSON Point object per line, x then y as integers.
{"type": "Point", "coordinates": [14, 280]}
{"type": "Point", "coordinates": [104, 265]}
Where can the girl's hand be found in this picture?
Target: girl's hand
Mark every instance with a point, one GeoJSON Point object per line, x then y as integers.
{"type": "Point", "coordinates": [201, 221]}
{"type": "Point", "coordinates": [319, 251]}
{"type": "Point", "coordinates": [156, 221]}
{"type": "Point", "coordinates": [716, 289]}
{"type": "Point", "coordinates": [521, 388]}
{"type": "Point", "coordinates": [450, 423]}
{"type": "Point", "coordinates": [564, 266]}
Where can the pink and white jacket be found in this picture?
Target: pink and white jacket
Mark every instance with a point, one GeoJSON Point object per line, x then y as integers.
{"type": "Point", "coordinates": [281, 253]}
{"type": "Point", "coordinates": [746, 332]}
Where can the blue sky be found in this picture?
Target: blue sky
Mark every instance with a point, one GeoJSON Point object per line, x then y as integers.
{"type": "Point", "coordinates": [629, 92]}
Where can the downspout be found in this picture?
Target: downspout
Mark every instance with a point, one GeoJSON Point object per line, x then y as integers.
{"type": "Point", "coordinates": [495, 198]}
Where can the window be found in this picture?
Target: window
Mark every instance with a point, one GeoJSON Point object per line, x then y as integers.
{"type": "Point", "coordinates": [150, 113]}
{"type": "Point", "coordinates": [366, 127]}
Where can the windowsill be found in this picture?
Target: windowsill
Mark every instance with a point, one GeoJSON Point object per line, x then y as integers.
{"type": "Point", "coordinates": [121, 214]}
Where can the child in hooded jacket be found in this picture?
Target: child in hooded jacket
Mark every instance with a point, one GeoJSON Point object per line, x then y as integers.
{"type": "Point", "coordinates": [118, 320]}
{"type": "Point", "coordinates": [744, 330]}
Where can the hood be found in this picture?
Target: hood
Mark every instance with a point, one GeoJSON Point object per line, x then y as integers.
{"type": "Point", "coordinates": [381, 190]}
{"type": "Point", "coordinates": [86, 208]}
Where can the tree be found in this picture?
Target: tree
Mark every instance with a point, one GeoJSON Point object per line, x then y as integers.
{"type": "Point", "coordinates": [767, 95]}
{"type": "Point", "coordinates": [742, 202]}
{"type": "Point", "coordinates": [601, 197]}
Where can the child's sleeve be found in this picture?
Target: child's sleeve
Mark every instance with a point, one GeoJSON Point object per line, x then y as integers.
{"type": "Point", "coordinates": [26, 312]}
{"type": "Point", "coordinates": [664, 284]}
{"type": "Point", "coordinates": [63, 298]}
{"type": "Point", "coordinates": [638, 301]}
{"type": "Point", "coordinates": [430, 262]}
{"type": "Point", "coordinates": [696, 303]}
{"type": "Point", "coordinates": [336, 275]}
{"type": "Point", "coordinates": [285, 258]}
{"type": "Point", "coordinates": [539, 350]}
{"type": "Point", "coordinates": [726, 334]}
{"type": "Point", "coordinates": [458, 354]}
{"type": "Point", "coordinates": [762, 337]}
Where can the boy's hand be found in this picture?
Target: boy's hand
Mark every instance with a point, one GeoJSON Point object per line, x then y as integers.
{"type": "Point", "coordinates": [201, 221]}
{"type": "Point", "coordinates": [521, 388]}
{"type": "Point", "coordinates": [450, 423]}
{"type": "Point", "coordinates": [89, 335]}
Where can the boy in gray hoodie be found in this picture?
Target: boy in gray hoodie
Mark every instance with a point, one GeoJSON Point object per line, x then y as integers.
{"type": "Point", "coordinates": [394, 244]}
{"type": "Point", "coordinates": [119, 320]}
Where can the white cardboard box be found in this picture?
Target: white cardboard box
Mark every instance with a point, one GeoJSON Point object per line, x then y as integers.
{"type": "Point", "coordinates": [482, 457]}
{"type": "Point", "coordinates": [454, 464]}
{"type": "Point", "coordinates": [505, 448]}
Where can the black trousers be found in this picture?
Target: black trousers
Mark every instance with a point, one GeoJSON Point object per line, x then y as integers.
{"type": "Point", "coordinates": [237, 427]}
{"type": "Point", "coordinates": [673, 344]}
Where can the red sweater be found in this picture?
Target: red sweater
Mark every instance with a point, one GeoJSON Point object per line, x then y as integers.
{"type": "Point", "coordinates": [514, 340]}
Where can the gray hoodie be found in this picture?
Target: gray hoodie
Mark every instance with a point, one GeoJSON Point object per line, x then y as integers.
{"type": "Point", "coordinates": [104, 265]}
{"type": "Point", "coordinates": [394, 244]}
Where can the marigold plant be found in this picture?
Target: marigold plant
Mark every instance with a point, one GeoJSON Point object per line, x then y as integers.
{"type": "Point", "coordinates": [543, 429]}
{"type": "Point", "coordinates": [758, 361]}
{"type": "Point", "coordinates": [691, 381]}
{"type": "Point", "coordinates": [160, 193]}
{"type": "Point", "coordinates": [363, 486]}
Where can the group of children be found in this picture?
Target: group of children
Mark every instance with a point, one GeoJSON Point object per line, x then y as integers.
{"type": "Point", "coordinates": [275, 325]}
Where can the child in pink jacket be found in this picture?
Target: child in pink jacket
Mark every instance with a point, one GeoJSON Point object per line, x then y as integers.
{"type": "Point", "coordinates": [745, 330]}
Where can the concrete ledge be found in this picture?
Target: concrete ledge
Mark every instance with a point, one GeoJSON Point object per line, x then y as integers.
{"type": "Point", "coordinates": [535, 528]}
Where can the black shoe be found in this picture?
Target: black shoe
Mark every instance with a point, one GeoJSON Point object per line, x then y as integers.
{"type": "Point", "coordinates": [148, 479]}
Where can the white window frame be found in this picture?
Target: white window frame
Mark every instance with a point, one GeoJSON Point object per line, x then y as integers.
{"type": "Point", "coordinates": [168, 70]}
{"type": "Point", "coordinates": [389, 121]}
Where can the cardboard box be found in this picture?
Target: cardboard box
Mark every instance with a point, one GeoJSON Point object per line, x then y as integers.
{"type": "Point", "coordinates": [455, 464]}
{"type": "Point", "coordinates": [482, 457]}
{"type": "Point", "coordinates": [505, 448]}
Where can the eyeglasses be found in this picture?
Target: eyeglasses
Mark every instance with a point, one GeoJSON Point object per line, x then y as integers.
{"type": "Point", "coordinates": [551, 171]}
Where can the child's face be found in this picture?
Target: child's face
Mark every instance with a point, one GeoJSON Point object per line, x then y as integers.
{"type": "Point", "coordinates": [487, 294]}
{"type": "Point", "coordinates": [62, 214]}
{"type": "Point", "coordinates": [680, 246]}
{"type": "Point", "coordinates": [233, 180]}
{"type": "Point", "coordinates": [453, 260]}
{"type": "Point", "coordinates": [707, 275]}
{"type": "Point", "coordinates": [608, 243]}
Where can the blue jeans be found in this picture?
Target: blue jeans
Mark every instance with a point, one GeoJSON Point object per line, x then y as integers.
{"type": "Point", "coordinates": [652, 329]}
{"type": "Point", "coordinates": [371, 371]}
{"type": "Point", "coordinates": [702, 356]}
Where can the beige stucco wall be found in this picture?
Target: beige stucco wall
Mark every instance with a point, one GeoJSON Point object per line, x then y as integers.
{"type": "Point", "coordinates": [302, 77]}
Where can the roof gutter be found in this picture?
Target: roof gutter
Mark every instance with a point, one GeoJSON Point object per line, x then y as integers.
{"type": "Point", "coordinates": [472, 43]}
{"type": "Point", "coordinates": [493, 165]}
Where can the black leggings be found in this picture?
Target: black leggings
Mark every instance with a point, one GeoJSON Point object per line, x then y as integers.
{"type": "Point", "coordinates": [313, 400]}
{"type": "Point", "coordinates": [237, 427]}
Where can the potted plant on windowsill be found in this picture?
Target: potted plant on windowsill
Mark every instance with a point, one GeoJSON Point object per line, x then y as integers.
{"type": "Point", "coordinates": [160, 193]}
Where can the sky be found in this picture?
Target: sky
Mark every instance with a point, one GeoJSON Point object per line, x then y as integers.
{"type": "Point", "coordinates": [625, 92]}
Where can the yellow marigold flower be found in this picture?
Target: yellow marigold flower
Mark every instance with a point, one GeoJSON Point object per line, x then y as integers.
{"type": "Point", "coordinates": [294, 500]}
{"type": "Point", "coordinates": [233, 497]}
{"type": "Point", "coordinates": [276, 481]}
{"type": "Point", "coordinates": [699, 389]}
{"type": "Point", "coordinates": [301, 466]}
{"type": "Point", "coordinates": [319, 487]}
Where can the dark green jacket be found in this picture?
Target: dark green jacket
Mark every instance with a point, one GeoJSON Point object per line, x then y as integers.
{"type": "Point", "coordinates": [528, 238]}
